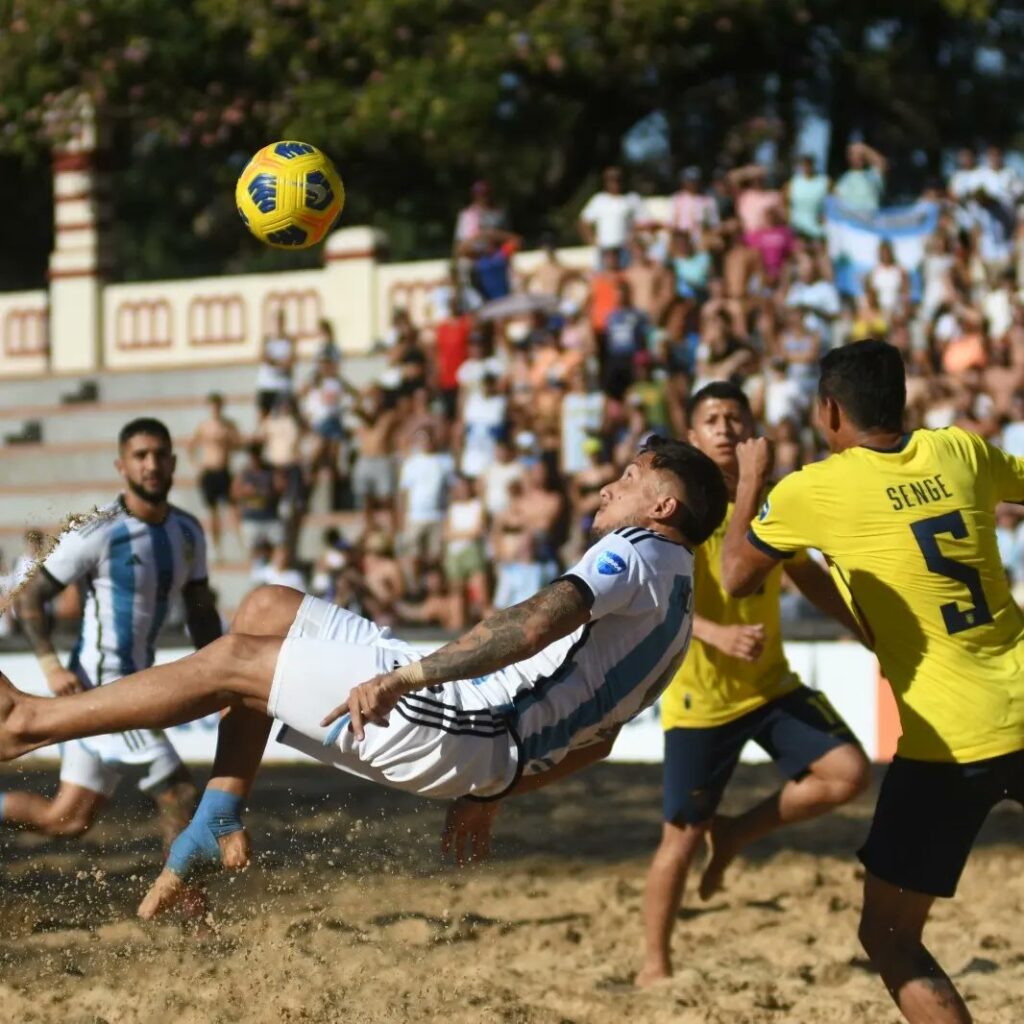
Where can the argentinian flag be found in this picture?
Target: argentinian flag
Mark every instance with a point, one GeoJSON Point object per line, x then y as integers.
{"type": "Point", "coordinates": [853, 239]}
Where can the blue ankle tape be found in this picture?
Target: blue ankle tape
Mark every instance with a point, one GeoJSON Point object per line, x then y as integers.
{"type": "Point", "coordinates": [218, 814]}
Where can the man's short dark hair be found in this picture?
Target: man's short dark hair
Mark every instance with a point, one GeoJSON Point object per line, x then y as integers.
{"type": "Point", "coordinates": [867, 380]}
{"type": "Point", "coordinates": [143, 425]}
{"type": "Point", "coordinates": [724, 390]}
{"type": "Point", "coordinates": [215, 398]}
{"type": "Point", "coordinates": [703, 509]}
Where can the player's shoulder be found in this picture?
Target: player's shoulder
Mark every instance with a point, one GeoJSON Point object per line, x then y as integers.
{"type": "Point", "coordinates": [648, 547]}
{"type": "Point", "coordinates": [97, 524]}
{"type": "Point", "coordinates": [184, 518]}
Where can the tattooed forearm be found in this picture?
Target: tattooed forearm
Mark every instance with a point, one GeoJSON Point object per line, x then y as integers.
{"type": "Point", "coordinates": [509, 636]}
{"type": "Point", "coordinates": [31, 607]}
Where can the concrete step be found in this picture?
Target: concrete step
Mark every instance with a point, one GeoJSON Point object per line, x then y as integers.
{"type": "Point", "coordinates": [102, 422]}
{"type": "Point", "coordinates": [193, 382]}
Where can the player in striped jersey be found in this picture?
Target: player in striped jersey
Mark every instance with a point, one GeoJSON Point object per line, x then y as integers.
{"type": "Point", "coordinates": [527, 696]}
{"type": "Point", "coordinates": [131, 562]}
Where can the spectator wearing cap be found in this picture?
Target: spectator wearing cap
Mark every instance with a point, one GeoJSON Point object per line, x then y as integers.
{"type": "Point", "coordinates": [611, 216]}
{"type": "Point", "coordinates": [692, 211]}
{"type": "Point", "coordinates": [860, 186]}
{"type": "Point", "coordinates": [805, 195]}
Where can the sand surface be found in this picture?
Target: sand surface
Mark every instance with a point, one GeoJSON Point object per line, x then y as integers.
{"type": "Point", "coordinates": [349, 916]}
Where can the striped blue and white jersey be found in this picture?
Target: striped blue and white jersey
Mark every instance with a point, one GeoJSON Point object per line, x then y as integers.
{"type": "Point", "coordinates": [580, 689]}
{"type": "Point", "coordinates": [129, 573]}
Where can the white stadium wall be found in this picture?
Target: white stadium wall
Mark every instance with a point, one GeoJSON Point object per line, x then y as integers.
{"type": "Point", "coordinates": [846, 673]}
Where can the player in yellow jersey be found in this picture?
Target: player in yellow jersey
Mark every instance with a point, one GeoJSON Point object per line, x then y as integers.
{"type": "Point", "coordinates": [735, 686]}
{"type": "Point", "coordinates": [907, 521]}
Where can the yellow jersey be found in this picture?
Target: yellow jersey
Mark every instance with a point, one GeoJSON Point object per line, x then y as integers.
{"type": "Point", "coordinates": [711, 688]}
{"type": "Point", "coordinates": [910, 535]}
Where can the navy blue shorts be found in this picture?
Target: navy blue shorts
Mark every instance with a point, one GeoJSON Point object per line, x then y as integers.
{"type": "Point", "coordinates": [928, 816]}
{"type": "Point", "coordinates": [794, 731]}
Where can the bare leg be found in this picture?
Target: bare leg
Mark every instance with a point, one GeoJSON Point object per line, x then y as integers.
{"type": "Point", "coordinates": [241, 740]}
{"type": "Point", "coordinates": [233, 670]}
{"type": "Point", "coordinates": [215, 532]}
{"type": "Point", "coordinates": [70, 813]}
{"type": "Point", "coordinates": [842, 774]}
{"type": "Point", "coordinates": [663, 894]}
{"type": "Point", "coordinates": [891, 928]}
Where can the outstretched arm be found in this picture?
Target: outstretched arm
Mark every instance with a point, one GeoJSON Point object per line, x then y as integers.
{"type": "Point", "coordinates": [511, 635]}
{"type": "Point", "coordinates": [31, 608]}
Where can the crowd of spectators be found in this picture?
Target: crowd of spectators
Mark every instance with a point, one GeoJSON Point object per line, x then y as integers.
{"type": "Point", "coordinates": [476, 458]}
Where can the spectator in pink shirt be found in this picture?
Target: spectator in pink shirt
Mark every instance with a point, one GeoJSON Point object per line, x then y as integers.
{"type": "Point", "coordinates": [693, 210]}
{"type": "Point", "coordinates": [775, 242]}
{"type": "Point", "coordinates": [753, 197]}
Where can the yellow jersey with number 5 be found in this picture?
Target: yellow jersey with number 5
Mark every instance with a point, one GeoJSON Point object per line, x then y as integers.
{"type": "Point", "coordinates": [910, 535]}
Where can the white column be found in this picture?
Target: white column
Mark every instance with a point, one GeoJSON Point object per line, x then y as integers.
{"type": "Point", "coordinates": [349, 286]}
{"type": "Point", "coordinates": [77, 261]}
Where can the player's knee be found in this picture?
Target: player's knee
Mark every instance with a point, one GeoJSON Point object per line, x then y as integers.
{"type": "Point", "coordinates": [680, 839]}
{"type": "Point", "coordinates": [849, 775]}
{"type": "Point", "coordinates": [267, 611]}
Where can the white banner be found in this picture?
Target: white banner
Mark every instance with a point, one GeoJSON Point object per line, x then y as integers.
{"type": "Point", "coordinates": [854, 237]}
{"type": "Point", "coordinates": [845, 672]}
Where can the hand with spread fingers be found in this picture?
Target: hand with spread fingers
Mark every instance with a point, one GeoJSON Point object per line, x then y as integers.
{"type": "Point", "coordinates": [368, 703]}
{"type": "Point", "coordinates": [467, 830]}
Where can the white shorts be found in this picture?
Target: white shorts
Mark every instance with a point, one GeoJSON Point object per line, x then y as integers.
{"type": "Point", "coordinates": [442, 744]}
{"type": "Point", "coordinates": [101, 762]}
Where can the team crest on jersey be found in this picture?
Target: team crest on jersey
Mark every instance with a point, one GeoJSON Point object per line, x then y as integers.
{"type": "Point", "coordinates": [134, 560]}
{"type": "Point", "coordinates": [610, 564]}
{"type": "Point", "coordinates": [765, 509]}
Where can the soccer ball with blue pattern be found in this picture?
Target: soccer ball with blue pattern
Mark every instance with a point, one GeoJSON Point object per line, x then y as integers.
{"type": "Point", "coordinates": [289, 195]}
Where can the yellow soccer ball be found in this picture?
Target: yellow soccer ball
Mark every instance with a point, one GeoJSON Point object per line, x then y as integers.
{"type": "Point", "coordinates": [289, 195]}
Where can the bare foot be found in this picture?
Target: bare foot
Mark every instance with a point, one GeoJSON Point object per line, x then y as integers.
{"type": "Point", "coordinates": [721, 852]}
{"type": "Point", "coordinates": [170, 891]}
{"type": "Point", "coordinates": [650, 975]}
{"type": "Point", "coordinates": [11, 698]}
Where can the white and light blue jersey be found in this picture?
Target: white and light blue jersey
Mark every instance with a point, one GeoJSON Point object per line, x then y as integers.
{"type": "Point", "coordinates": [129, 574]}
{"type": "Point", "coordinates": [580, 689]}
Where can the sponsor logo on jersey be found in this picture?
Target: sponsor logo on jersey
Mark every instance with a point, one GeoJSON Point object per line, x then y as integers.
{"type": "Point", "coordinates": [765, 509]}
{"type": "Point", "coordinates": [610, 564]}
{"type": "Point", "coordinates": [134, 560]}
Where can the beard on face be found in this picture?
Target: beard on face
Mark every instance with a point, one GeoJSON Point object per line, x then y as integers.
{"type": "Point", "coordinates": [150, 497]}
{"type": "Point", "coordinates": [605, 528]}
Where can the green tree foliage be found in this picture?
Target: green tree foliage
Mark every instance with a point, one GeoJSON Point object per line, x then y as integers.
{"type": "Point", "coordinates": [417, 98]}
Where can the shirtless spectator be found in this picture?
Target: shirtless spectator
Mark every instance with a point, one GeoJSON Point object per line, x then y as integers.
{"type": "Point", "coordinates": [211, 447]}
{"type": "Point", "coordinates": [550, 276]}
{"type": "Point", "coordinates": [742, 266]}
{"type": "Point", "coordinates": [651, 283]}
{"type": "Point", "coordinates": [381, 577]}
{"type": "Point", "coordinates": [373, 476]}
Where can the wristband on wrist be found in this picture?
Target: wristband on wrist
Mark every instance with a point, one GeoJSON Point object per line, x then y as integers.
{"type": "Point", "coordinates": [411, 674]}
